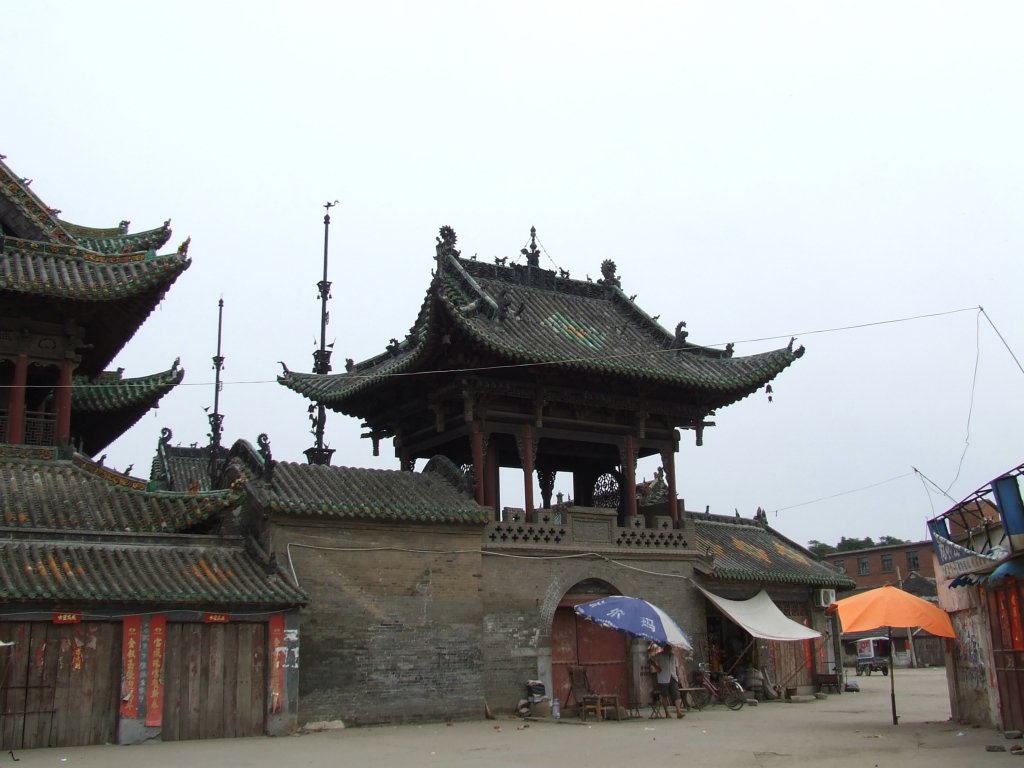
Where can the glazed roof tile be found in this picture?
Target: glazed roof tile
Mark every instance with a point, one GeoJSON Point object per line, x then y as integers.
{"type": "Point", "coordinates": [110, 391]}
{"type": "Point", "coordinates": [745, 550]}
{"type": "Point", "coordinates": [107, 406]}
{"type": "Point", "coordinates": [113, 240]}
{"type": "Point", "coordinates": [40, 490]}
{"type": "Point", "coordinates": [523, 315]}
{"type": "Point", "coordinates": [119, 569]}
{"type": "Point", "coordinates": [375, 494]}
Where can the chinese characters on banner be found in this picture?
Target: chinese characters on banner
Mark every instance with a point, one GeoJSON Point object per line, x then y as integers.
{"type": "Point", "coordinates": [131, 635]}
{"type": "Point", "coordinates": [155, 680]}
{"type": "Point", "coordinates": [279, 652]}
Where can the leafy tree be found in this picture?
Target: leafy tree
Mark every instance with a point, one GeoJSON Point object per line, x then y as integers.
{"type": "Point", "coordinates": [820, 549]}
{"type": "Point", "coordinates": [887, 540]}
{"type": "Point", "coordinates": [848, 545]}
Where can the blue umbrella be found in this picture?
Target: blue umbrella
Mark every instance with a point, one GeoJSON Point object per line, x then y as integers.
{"type": "Point", "coordinates": [637, 617]}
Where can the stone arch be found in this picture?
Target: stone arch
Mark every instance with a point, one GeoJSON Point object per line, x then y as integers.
{"type": "Point", "coordinates": [576, 642]}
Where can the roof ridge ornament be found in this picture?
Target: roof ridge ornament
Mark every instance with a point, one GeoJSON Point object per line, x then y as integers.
{"type": "Point", "coordinates": [446, 242]}
{"type": "Point", "coordinates": [533, 254]}
{"type": "Point", "coordinates": [608, 274]}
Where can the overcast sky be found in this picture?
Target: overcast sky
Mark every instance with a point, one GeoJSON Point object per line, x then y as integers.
{"type": "Point", "coordinates": [759, 170]}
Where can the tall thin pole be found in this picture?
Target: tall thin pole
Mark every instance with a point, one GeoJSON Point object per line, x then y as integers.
{"type": "Point", "coordinates": [322, 358]}
{"type": "Point", "coordinates": [216, 420]}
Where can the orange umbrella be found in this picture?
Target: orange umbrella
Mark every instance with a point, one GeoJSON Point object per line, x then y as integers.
{"type": "Point", "coordinates": [888, 607]}
{"type": "Point", "coordinates": [891, 607]}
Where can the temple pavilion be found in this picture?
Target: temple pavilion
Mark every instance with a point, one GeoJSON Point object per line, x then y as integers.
{"type": "Point", "coordinates": [514, 365]}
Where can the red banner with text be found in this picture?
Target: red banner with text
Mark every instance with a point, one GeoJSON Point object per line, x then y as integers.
{"type": "Point", "coordinates": [155, 670]}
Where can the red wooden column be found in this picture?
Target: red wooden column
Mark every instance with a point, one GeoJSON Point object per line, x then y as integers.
{"type": "Point", "coordinates": [668, 463]}
{"type": "Point", "coordinates": [64, 402]}
{"type": "Point", "coordinates": [629, 475]}
{"type": "Point", "coordinates": [526, 456]}
{"type": "Point", "coordinates": [477, 444]}
{"type": "Point", "coordinates": [16, 403]}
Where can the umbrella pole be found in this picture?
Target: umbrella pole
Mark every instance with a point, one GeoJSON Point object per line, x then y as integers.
{"type": "Point", "coordinates": [892, 682]}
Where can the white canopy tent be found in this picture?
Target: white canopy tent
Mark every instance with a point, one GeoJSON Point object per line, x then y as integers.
{"type": "Point", "coordinates": [762, 618]}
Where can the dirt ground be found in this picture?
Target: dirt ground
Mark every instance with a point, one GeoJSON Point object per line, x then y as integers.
{"type": "Point", "coordinates": [847, 730]}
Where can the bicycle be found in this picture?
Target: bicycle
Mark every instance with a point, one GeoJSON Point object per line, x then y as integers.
{"type": "Point", "coordinates": [726, 691]}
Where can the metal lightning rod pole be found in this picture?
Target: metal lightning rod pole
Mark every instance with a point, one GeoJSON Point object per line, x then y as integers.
{"type": "Point", "coordinates": [322, 357]}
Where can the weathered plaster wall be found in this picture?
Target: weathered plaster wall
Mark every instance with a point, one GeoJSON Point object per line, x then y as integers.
{"type": "Point", "coordinates": [392, 632]}
{"type": "Point", "coordinates": [973, 680]}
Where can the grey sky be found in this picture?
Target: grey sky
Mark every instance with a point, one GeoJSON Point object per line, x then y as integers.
{"type": "Point", "coordinates": [756, 169]}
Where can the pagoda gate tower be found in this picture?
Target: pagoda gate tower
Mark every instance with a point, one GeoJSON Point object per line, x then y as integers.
{"type": "Point", "coordinates": [71, 297]}
{"type": "Point", "coordinates": [515, 365]}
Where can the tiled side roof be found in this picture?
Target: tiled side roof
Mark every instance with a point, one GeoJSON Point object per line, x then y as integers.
{"type": "Point", "coordinates": [106, 407]}
{"type": "Point", "coordinates": [67, 272]}
{"type": "Point", "coordinates": [304, 489]}
{"type": "Point", "coordinates": [122, 289]}
{"type": "Point", "coordinates": [745, 550]}
{"type": "Point", "coordinates": [178, 571]}
{"type": "Point", "coordinates": [118, 240]}
{"type": "Point", "coordinates": [179, 468]}
{"type": "Point", "coordinates": [80, 495]}
{"type": "Point", "coordinates": [530, 315]}
{"type": "Point", "coordinates": [112, 392]}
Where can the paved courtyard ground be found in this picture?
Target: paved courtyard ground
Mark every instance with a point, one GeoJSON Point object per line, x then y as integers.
{"type": "Point", "coordinates": [845, 731]}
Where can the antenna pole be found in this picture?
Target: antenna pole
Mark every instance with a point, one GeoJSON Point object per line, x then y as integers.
{"type": "Point", "coordinates": [322, 358]}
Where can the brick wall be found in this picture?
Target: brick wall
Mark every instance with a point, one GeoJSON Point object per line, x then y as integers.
{"type": "Point", "coordinates": [885, 565]}
{"type": "Point", "coordinates": [389, 635]}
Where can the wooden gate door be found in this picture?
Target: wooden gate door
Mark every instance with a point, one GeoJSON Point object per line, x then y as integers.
{"type": "Point", "coordinates": [793, 661]}
{"type": "Point", "coordinates": [215, 681]}
{"type": "Point", "coordinates": [602, 651]}
{"type": "Point", "coordinates": [60, 684]}
{"type": "Point", "coordinates": [1004, 613]}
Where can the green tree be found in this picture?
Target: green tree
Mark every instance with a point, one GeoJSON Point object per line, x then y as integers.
{"type": "Point", "coordinates": [887, 540]}
{"type": "Point", "coordinates": [848, 545]}
{"type": "Point", "coordinates": [820, 549]}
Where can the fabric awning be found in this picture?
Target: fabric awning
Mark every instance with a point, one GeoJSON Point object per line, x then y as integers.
{"type": "Point", "coordinates": [762, 618]}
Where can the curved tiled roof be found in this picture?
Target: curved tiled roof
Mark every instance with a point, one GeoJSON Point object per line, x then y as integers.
{"type": "Point", "coordinates": [745, 550]}
{"type": "Point", "coordinates": [113, 240]}
{"type": "Point", "coordinates": [306, 489]}
{"type": "Point", "coordinates": [80, 495]}
{"type": "Point", "coordinates": [107, 406]}
{"type": "Point", "coordinates": [523, 315]}
{"type": "Point", "coordinates": [110, 391]}
{"type": "Point", "coordinates": [113, 294]}
{"type": "Point", "coordinates": [180, 571]}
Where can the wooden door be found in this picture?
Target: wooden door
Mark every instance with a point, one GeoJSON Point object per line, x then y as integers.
{"type": "Point", "coordinates": [215, 679]}
{"type": "Point", "coordinates": [601, 651]}
{"type": "Point", "coordinates": [793, 662]}
{"type": "Point", "coordinates": [1004, 610]}
{"type": "Point", "coordinates": [59, 683]}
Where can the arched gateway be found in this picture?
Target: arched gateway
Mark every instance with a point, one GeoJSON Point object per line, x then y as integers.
{"type": "Point", "coordinates": [576, 642]}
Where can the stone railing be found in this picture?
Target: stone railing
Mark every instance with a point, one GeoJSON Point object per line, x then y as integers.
{"type": "Point", "coordinates": [584, 528]}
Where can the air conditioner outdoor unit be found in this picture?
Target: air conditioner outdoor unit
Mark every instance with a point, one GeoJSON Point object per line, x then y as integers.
{"type": "Point", "coordinates": [823, 598]}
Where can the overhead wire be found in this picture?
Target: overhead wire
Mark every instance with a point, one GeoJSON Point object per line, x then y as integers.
{"type": "Point", "coordinates": [620, 356]}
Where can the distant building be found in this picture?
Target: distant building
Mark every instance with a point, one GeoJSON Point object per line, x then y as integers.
{"type": "Point", "coordinates": [908, 566]}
